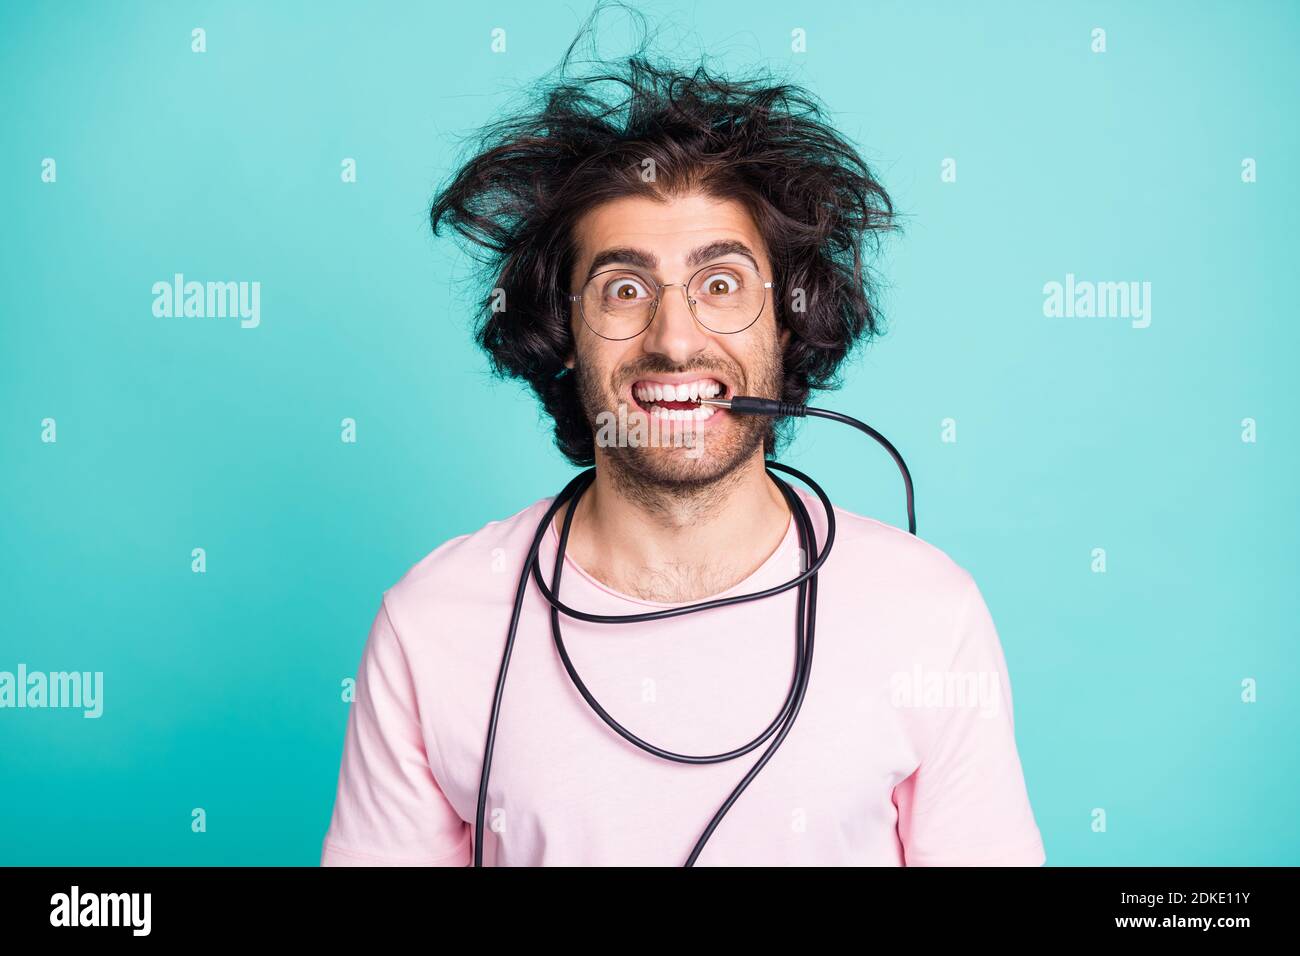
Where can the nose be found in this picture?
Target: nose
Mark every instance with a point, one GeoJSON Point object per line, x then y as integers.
{"type": "Point", "coordinates": [673, 332]}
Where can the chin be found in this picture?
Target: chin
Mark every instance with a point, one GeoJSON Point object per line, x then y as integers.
{"type": "Point", "coordinates": [682, 466]}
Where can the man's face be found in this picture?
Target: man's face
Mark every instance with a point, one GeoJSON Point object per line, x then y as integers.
{"type": "Point", "coordinates": [667, 243]}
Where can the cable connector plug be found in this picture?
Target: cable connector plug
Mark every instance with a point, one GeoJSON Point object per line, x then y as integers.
{"type": "Point", "coordinates": [749, 405]}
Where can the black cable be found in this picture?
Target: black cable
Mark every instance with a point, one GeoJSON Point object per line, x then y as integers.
{"type": "Point", "coordinates": [898, 459]}
{"type": "Point", "coordinates": [805, 612]}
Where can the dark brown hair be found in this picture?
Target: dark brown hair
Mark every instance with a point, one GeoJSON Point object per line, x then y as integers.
{"type": "Point", "coordinates": [586, 140]}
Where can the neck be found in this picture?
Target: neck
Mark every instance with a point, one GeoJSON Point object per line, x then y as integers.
{"type": "Point", "coordinates": [672, 544]}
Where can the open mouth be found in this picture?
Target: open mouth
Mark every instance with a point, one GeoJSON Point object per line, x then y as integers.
{"type": "Point", "coordinates": [678, 400]}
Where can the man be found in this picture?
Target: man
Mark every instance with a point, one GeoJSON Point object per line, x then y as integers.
{"type": "Point", "coordinates": [699, 238]}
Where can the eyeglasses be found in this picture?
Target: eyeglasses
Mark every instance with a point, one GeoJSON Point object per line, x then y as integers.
{"type": "Point", "coordinates": [724, 297]}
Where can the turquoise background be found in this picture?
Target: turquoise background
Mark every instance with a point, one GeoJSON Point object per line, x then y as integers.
{"type": "Point", "coordinates": [222, 690]}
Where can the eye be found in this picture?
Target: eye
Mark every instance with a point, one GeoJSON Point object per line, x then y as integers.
{"type": "Point", "coordinates": [720, 284]}
{"type": "Point", "coordinates": [626, 289]}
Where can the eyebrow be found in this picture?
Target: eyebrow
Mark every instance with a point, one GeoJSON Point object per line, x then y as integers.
{"type": "Point", "coordinates": [628, 255]}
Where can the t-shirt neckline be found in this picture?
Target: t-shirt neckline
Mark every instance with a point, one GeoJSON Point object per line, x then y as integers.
{"type": "Point", "coordinates": [782, 548]}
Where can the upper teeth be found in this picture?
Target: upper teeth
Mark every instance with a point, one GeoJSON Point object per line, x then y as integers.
{"type": "Point", "coordinates": [680, 392]}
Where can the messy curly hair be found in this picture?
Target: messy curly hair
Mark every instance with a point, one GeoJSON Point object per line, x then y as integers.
{"type": "Point", "coordinates": [765, 144]}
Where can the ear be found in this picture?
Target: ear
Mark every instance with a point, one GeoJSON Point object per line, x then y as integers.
{"type": "Point", "coordinates": [571, 359]}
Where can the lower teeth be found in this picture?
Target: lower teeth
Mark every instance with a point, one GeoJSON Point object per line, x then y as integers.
{"type": "Point", "coordinates": [699, 413]}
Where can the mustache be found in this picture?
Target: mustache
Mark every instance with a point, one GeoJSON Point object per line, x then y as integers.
{"type": "Point", "coordinates": [704, 366]}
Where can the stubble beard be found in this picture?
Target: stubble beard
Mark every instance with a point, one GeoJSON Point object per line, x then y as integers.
{"type": "Point", "coordinates": [681, 482]}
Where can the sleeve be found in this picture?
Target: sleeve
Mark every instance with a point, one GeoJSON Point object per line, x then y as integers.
{"type": "Point", "coordinates": [966, 803]}
{"type": "Point", "coordinates": [389, 809]}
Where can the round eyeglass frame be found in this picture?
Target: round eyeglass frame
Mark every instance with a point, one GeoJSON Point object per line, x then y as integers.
{"type": "Point", "coordinates": [659, 295]}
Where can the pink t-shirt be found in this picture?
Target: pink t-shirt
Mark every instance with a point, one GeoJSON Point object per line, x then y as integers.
{"type": "Point", "coordinates": [904, 752]}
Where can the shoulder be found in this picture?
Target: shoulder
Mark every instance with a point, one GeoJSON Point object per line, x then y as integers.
{"type": "Point", "coordinates": [470, 564]}
{"type": "Point", "coordinates": [891, 559]}
{"type": "Point", "coordinates": [923, 605]}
